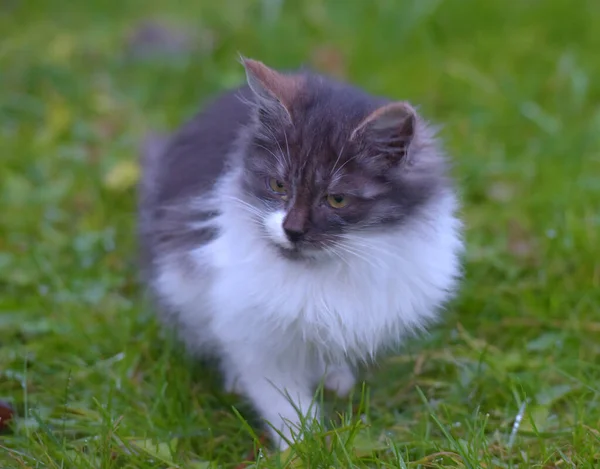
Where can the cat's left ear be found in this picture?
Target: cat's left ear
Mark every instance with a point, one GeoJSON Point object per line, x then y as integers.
{"type": "Point", "coordinates": [274, 91]}
{"type": "Point", "coordinates": [388, 132]}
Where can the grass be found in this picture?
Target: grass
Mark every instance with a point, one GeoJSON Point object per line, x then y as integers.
{"type": "Point", "coordinates": [509, 378]}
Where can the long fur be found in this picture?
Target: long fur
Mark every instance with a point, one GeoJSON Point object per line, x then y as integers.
{"type": "Point", "coordinates": [277, 325]}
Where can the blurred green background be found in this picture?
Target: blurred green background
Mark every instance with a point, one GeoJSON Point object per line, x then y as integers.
{"type": "Point", "coordinates": [509, 378]}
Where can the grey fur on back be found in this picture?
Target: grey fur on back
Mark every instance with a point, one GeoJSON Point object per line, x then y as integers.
{"type": "Point", "coordinates": [174, 171]}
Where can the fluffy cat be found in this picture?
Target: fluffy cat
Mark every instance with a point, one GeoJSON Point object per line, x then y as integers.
{"type": "Point", "coordinates": [294, 228]}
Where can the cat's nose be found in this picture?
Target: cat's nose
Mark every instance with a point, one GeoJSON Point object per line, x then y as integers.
{"type": "Point", "coordinates": [294, 235]}
{"type": "Point", "coordinates": [295, 223]}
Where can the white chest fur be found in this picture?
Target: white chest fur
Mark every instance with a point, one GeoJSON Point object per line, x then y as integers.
{"type": "Point", "coordinates": [387, 285]}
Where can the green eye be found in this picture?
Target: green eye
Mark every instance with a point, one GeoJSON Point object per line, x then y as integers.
{"type": "Point", "coordinates": [337, 200]}
{"type": "Point", "coordinates": [277, 186]}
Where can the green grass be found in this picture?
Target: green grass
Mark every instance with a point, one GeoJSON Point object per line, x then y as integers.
{"type": "Point", "coordinates": [82, 360]}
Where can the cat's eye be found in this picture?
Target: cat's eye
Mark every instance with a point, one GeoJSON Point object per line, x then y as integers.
{"type": "Point", "coordinates": [277, 186]}
{"type": "Point", "coordinates": [337, 200]}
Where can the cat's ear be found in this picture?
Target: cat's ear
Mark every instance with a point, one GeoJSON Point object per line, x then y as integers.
{"type": "Point", "coordinates": [274, 91]}
{"type": "Point", "coordinates": [388, 133]}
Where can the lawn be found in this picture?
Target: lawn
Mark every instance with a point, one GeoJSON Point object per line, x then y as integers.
{"type": "Point", "coordinates": [510, 377]}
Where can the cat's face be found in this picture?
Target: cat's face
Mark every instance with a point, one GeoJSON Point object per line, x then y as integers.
{"type": "Point", "coordinates": [312, 198]}
{"type": "Point", "coordinates": [325, 164]}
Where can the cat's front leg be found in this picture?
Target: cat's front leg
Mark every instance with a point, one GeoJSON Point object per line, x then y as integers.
{"type": "Point", "coordinates": [279, 389]}
{"type": "Point", "coordinates": [340, 379]}
{"type": "Point", "coordinates": [337, 376]}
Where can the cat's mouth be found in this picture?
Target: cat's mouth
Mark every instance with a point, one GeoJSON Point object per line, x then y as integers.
{"type": "Point", "coordinates": [298, 253]}
{"type": "Point", "coordinates": [292, 254]}
{"type": "Point", "coordinates": [294, 250]}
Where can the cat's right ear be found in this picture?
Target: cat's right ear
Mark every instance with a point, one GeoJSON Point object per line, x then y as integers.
{"type": "Point", "coordinates": [389, 133]}
{"type": "Point", "coordinates": [274, 91]}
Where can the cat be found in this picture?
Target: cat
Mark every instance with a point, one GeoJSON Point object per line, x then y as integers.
{"type": "Point", "coordinates": [294, 229]}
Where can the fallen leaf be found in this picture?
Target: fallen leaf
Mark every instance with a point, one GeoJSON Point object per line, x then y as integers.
{"type": "Point", "coordinates": [253, 453]}
{"type": "Point", "coordinates": [364, 445]}
{"type": "Point", "coordinates": [290, 459]}
{"type": "Point", "coordinates": [161, 451]}
{"type": "Point", "coordinates": [151, 39]}
{"type": "Point", "coordinates": [330, 60]}
{"type": "Point", "coordinates": [6, 415]}
{"type": "Point", "coordinates": [546, 342]}
{"type": "Point", "coordinates": [122, 176]}
{"type": "Point", "coordinates": [61, 48]}
{"type": "Point", "coordinates": [537, 418]}
{"type": "Point", "coordinates": [59, 118]}
{"type": "Point", "coordinates": [520, 241]}
{"type": "Point", "coordinates": [200, 465]}
{"type": "Point", "coordinates": [500, 191]}
{"type": "Point", "coordinates": [551, 395]}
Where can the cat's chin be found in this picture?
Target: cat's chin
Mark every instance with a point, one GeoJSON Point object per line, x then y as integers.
{"type": "Point", "coordinates": [297, 254]}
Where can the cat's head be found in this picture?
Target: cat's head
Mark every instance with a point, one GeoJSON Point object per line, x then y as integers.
{"type": "Point", "coordinates": [325, 162]}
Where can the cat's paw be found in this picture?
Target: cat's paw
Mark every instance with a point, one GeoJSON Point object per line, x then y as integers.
{"type": "Point", "coordinates": [340, 380]}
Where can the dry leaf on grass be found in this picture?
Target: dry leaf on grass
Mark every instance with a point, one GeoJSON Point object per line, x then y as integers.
{"type": "Point", "coordinates": [329, 60]}
{"type": "Point", "coordinates": [6, 415]}
{"type": "Point", "coordinates": [521, 242]}
{"type": "Point", "coordinates": [122, 176]}
{"type": "Point", "coordinates": [151, 38]}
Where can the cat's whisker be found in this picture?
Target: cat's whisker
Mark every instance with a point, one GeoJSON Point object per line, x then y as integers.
{"type": "Point", "coordinates": [246, 206]}
{"type": "Point", "coordinates": [339, 155]}
{"type": "Point", "coordinates": [287, 148]}
{"type": "Point", "coordinates": [245, 100]}
{"type": "Point", "coordinates": [357, 254]}
{"type": "Point", "coordinates": [358, 243]}
{"type": "Point", "coordinates": [328, 248]}
{"type": "Point", "coordinates": [268, 206]}
{"type": "Point", "coordinates": [375, 246]}
{"type": "Point", "coordinates": [275, 155]}
{"type": "Point", "coordinates": [356, 240]}
{"type": "Point", "coordinates": [352, 158]}
{"type": "Point", "coordinates": [241, 202]}
{"type": "Point", "coordinates": [185, 210]}
{"type": "Point", "coordinates": [252, 211]}
{"type": "Point", "coordinates": [285, 155]}
{"type": "Point", "coordinates": [335, 252]}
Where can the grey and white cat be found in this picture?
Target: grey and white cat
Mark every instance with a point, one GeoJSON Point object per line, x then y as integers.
{"type": "Point", "coordinates": [294, 228]}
